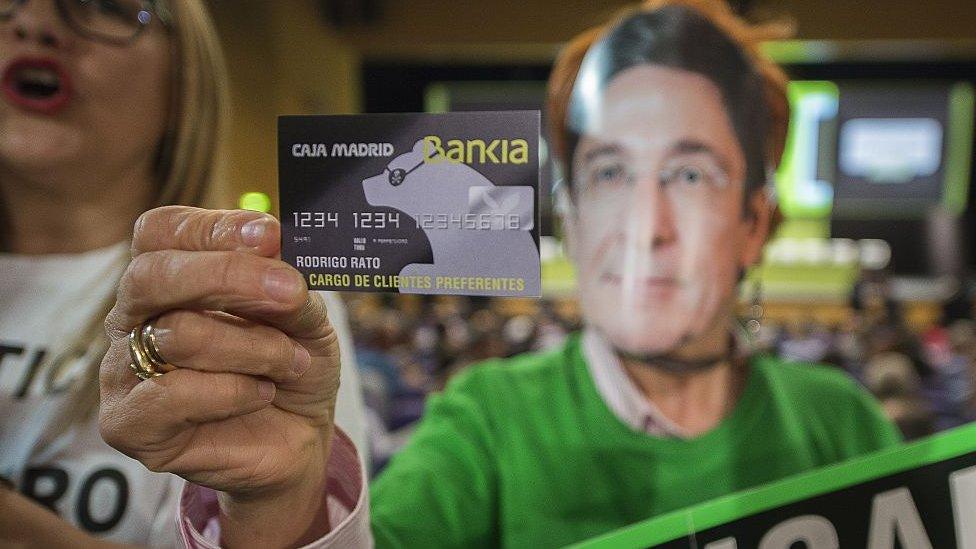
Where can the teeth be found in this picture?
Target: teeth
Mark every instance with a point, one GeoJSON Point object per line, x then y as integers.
{"type": "Point", "coordinates": [43, 77]}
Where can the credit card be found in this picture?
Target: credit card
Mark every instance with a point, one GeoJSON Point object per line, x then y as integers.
{"type": "Point", "coordinates": [444, 203]}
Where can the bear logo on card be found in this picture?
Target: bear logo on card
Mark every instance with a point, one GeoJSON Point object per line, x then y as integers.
{"type": "Point", "coordinates": [475, 228]}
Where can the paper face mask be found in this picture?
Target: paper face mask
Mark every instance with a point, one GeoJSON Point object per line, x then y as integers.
{"type": "Point", "coordinates": [658, 175]}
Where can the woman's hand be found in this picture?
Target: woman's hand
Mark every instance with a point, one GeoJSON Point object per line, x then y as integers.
{"type": "Point", "coordinates": [249, 409]}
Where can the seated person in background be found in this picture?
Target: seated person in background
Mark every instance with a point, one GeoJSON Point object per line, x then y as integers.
{"type": "Point", "coordinates": [891, 377]}
{"type": "Point", "coordinates": [667, 121]}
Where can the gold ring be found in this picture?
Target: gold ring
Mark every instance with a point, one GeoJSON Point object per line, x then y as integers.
{"type": "Point", "coordinates": [148, 334]}
{"type": "Point", "coordinates": [143, 374]}
{"type": "Point", "coordinates": [146, 359]}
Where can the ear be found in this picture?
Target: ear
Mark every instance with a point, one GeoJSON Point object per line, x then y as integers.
{"type": "Point", "coordinates": [759, 215]}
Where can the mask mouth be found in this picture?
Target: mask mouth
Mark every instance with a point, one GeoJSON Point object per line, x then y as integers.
{"type": "Point", "coordinates": [38, 85]}
{"type": "Point", "coordinates": [649, 281]}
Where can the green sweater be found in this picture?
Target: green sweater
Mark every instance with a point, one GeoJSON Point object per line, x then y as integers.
{"type": "Point", "coordinates": [525, 453]}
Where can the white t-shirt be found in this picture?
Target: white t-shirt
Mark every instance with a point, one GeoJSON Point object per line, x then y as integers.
{"type": "Point", "coordinates": [44, 302]}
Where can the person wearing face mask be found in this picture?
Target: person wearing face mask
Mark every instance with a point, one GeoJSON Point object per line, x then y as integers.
{"type": "Point", "coordinates": [107, 108]}
{"type": "Point", "coordinates": [667, 121]}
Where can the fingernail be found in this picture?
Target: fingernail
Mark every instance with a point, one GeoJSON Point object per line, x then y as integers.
{"type": "Point", "coordinates": [303, 360]}
{"type": "Point", "coordinates": [266, 390]}
{"type": "Point", "coordinates": [252, 231]}
{"type": "Point", "coordinates": [281, 284]}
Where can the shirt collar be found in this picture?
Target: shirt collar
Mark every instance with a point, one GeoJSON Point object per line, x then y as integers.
{"type": "Point", "coordinates": [619, 391]}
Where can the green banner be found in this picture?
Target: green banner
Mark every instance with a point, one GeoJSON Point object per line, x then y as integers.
{"type": "Point", "coordinates": [919, 495]}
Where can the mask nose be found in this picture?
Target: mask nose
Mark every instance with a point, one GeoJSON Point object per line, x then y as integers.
{"type": "Point", "coordinates": [664, 228]}
{"type": "Point", "coordinates": [656, 212]}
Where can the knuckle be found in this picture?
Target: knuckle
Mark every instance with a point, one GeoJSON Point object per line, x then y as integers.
{"type": "Point", "coordinates": [329, 334]}
{"type": "Point", "coordinates": [139, 228]}
{"type": "Point", "coordinates": [113, 323]}
{"type": "Point", "coordinates": [149, 227]}
{"type": "Point", "coordinates": [223, 229]}
{"type": "Point", "coordinates": [299, 308]}
{"type": "Point", "coordinates": [149, 277]}
{"type": "Point", "coordinates": [142, 275]}
{"type": "Point", "coordinates": [191, 230]}
{"type": "Point", "coordinates": [314, 315]}
{"type": "Point", "coordinates": [302, 303]}
{"type": "Point", "coordinates": [330, 341]}
{"type": "Point", "coordinates": [142, 269]}
{"type": "Point", "coordinates": [226, 228]}
{"type": "Point", "coordinates": [210, 230]}
{"type": "Point", "coordinates": [317, 302]}
{"type": "Point", "coordinates": [168, 213]}
{"type": "Point", "coordinates": [227, 269]}
{"type": "Point", "coordinates": [279, 351]}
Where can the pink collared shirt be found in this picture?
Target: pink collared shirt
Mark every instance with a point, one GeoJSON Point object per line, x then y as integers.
{"type": "Point", "coordinates": [348, 503]}
{"type": "Point", "coordinates": [620, 393]}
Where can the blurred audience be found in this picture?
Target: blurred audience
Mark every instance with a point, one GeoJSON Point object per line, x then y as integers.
{"type": "Point", "coordinates": [410, 345]}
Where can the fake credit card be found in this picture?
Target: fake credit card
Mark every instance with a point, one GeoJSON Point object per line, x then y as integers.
{"type": "Point", "coordinates": [412, 203]}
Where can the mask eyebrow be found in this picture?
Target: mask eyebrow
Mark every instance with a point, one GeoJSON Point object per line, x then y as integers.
{"type": "Point", "coordinates": [601, 151]}
{"type": "Point", "coordinates": [694, 146]}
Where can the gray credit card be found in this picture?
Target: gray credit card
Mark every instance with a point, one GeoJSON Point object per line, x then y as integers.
{"type": "Point", "coordinates": [412, 203]}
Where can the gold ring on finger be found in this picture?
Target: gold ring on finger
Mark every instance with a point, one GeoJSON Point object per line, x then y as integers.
{"type": "Point", "coordinates": [148, 336]}
{"type": "Point", "coordinates": [147, 361]}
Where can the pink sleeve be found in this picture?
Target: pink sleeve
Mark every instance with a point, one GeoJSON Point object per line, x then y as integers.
{"type": "Point", "coordinates": [348, 505]}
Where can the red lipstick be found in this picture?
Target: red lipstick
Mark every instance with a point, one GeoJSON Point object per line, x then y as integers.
{"type": "Point", "coordinates": [36, 84]}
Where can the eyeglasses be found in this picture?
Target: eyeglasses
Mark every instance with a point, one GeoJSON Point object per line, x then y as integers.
{"type": "Point", "coordinates": [117, 22]}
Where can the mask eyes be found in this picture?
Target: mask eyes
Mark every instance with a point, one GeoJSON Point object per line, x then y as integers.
{"type": "Point", "coordinates": [689, 175]}
{"type": "Point", "coordinates": [694, 174]}
{"type": "Point", "coordinates": [610, 174]}
{"type": "Point", "coordinates": [607, 174]}
{"type": "Point", "coordinates": [684, 171]}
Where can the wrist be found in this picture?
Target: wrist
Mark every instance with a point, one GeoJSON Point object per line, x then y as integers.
{"type": "Point", "coordinates": [288, 515]}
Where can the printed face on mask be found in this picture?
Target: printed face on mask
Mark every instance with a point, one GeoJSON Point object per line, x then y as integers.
{"type": "Point", "coordinates": [658, 232]}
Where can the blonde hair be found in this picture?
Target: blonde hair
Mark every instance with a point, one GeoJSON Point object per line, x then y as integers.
{"type": "Point", "coordinates": [187, 164]}
{"type": "Point", "coordinates": [188, 160]}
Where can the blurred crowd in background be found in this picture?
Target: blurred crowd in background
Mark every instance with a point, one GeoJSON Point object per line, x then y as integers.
{"type": "Point", "coordinates": [410, 345]}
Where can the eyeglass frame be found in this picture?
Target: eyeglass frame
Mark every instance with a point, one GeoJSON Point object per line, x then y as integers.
{"type": "Point", "coordinates": [152, 7]}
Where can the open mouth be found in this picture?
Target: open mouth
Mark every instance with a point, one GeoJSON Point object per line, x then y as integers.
{"type": "Point", "coordinates": [38, 85]}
